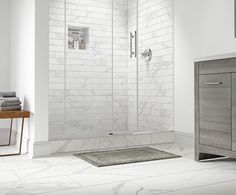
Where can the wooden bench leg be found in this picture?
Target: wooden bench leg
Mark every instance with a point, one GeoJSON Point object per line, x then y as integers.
{"type": "Point", "coordinates": [10, 132]}
{"type": "Point", "coordinates": [21, 136]}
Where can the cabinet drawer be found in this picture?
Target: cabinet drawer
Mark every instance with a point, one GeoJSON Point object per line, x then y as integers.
{"type": "Point", "coordinates": [218, 66]}
{"type": "Point", "coordinates": [215, 113]}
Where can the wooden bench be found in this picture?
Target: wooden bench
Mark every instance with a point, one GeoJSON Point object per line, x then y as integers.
{"type": "Point", "coordinates": [15, 114]}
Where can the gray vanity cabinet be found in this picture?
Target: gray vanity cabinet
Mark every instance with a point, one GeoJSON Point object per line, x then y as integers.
{"type": "Point", "coordinates": [215, 109]}
{"type": "Point", "coordinates": [234, 111]}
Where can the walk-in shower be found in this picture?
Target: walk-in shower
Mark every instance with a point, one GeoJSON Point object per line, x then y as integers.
{"type": "Point", "coordinates": [111, 68]}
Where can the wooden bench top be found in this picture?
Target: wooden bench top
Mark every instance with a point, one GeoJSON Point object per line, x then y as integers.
{"type": "Point", "coordinates": [14, 114]}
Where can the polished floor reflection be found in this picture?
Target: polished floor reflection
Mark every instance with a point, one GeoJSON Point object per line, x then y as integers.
{"type": "Point", "coordinates": [66, 174]}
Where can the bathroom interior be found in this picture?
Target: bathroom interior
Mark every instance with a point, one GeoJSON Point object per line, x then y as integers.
{"type": "Point", "coordinates": [124, 96]}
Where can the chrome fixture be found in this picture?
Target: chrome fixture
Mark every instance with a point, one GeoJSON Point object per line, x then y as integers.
{"type": "Point", "coordinates": [213, 83]}
{"type": "Point", "coordinates": [147, 55]}
{"type": "Point", "coordinates": [131, 44]}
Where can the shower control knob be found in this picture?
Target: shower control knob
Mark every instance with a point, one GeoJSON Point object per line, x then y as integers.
{"type": "Point", "coordinates": [147, 55]}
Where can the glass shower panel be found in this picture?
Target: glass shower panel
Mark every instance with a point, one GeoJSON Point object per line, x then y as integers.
{"type": "Point", "coordinates": [120, 66]}
{"type": "Point", "coordinates": [111, 67]}
{"type": "Point", "coordinates": [132, 65]}
{"type": "Point", "coordinates": [155, 65]}
{"type": "Point", "coordinates": [124, 66]}
{"type": "Point", "coordinates": [88, 68]}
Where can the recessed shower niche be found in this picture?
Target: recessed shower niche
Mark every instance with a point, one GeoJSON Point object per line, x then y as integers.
{"type": "Point", "coordinates": [78, 38]}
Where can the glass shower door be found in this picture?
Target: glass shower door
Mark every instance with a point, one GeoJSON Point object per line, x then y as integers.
{"type": "Point", "coordinates": [124, 66]}
{"type": "Point", "coordinates": [111, 67]}
{"type": "Point", "coordinates": [88, 68]}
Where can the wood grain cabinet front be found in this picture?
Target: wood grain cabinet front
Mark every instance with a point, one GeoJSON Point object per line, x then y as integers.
{"type": "Point", "coordinates": [234, 111]}
{"type": "Point", "coordinates": [215, 109]}
{"type": "Point", "coordinates": [215, 113]}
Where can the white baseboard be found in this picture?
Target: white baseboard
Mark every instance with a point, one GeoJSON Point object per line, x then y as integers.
{"type": "Point", "coordinates": [40, 149]}
{"type": "Point", "coordinates": [112, 142]}
{"type": "Point", "coordinates": [183, 138]}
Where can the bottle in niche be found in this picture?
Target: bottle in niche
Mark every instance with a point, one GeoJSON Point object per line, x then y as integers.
{"type": "Point", "coordinates": [82, 44]}
{"type": "Point", "coordinates": [76, 43]}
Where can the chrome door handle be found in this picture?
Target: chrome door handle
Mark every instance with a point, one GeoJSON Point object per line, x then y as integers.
{"type": "Point", "coordinates": [131, 45]}
{"type": "Point", "coordinates": [136, 43]}
{"type": "Point", "coordinates": [213, 83]}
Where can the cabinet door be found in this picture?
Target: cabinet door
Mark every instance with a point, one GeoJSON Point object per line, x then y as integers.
{"type": "Point", "coordinates": [215, 112]}
{"type": "Point", "coordinates": [234, 111]}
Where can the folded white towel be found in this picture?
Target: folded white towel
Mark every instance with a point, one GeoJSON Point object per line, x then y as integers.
{"type": "Point", "coordinates": [10, 108]}
{"type": "Point", "coordinates": [13, 103]}
{"type": "Point", "coordinates": [8, 99]}
{"type": "Point", "coordinates": [8, 94]}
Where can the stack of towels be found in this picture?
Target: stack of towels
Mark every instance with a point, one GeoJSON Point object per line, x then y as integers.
{"type": "Point", "coordinates": [9, 101]}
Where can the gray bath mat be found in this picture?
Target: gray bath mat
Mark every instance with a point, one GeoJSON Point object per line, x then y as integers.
{"type": "Point", "coordinates": [124, 156]}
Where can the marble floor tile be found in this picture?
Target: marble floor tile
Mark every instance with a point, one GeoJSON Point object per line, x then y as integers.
{"type": "Point", "coordinates": [175, 182]}
{"type": "Point", "coordinates": [162, 167]}
{"type": "Point", "coordinates": [187, 152]}
{"type": "Point", "coordinates": [227, 188]}
{"type": "Point", "coordinates": [60, 160]}
{"type": "Point", "coordinates": [193, 183]}
{"type": "Point", "coordinates": [8, 176]}
{"type": "Point", "coordinates": [16, 158]}
{"type": "Point", "coordinates": [22, 164]}
{"type": "Point", "coordinates": [90, 179]}
{"type": "Point", "coordinates": [47, 185]}
{"type": "Point", "coordinates": [52, 171]}
{"type": "Point", "coordinates": [66, 175]}
{"type": "Point", "coordinates": [107, 189]}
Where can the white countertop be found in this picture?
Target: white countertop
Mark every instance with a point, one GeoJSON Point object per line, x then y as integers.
{"type": "Point", "coordinates": [216, 57]}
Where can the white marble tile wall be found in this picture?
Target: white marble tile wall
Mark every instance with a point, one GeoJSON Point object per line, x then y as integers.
{"type": "Point", "coordinates": [132, 69]}
{"type": "Point", "coordinates": [155, 79]}
{"type": "Point", "coordinates": [120, 66]}
{"type": "Point", "coordinates": [82, 82]}
{"type": "Point", "coordinates": [90, 87]}
{"type": "Point", "coordinates": [56, 68]}
{"type": "Point", "coordinates": [89, 72]}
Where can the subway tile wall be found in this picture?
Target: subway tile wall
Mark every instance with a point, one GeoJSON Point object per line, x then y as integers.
{"type": "Point", "coordinates": [89, 72]}
{"type": "Point", "coordinates": [56, 69]}
{"type": "Point", "coordinates": [90, 87]}
{"type": "Point", "coordinates": [132, 69]}
{"type": "Point", "coordinates": [155, 79]}
{"type": "Point", "coordinates": [120, 66]}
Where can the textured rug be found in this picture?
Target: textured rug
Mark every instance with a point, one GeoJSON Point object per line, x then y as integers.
{"type": "Point", "coordinates": [124, 156]}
